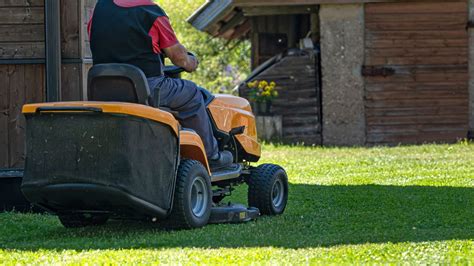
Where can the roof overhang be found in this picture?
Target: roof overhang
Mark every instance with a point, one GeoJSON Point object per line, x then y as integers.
{"type": "Point", "coordinates": [229, 19]}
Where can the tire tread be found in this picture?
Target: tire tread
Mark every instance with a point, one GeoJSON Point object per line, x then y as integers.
{"type": "Point", "coordinates": [178, 218]}
{"type": "Point", "coordinates": [260, 187]}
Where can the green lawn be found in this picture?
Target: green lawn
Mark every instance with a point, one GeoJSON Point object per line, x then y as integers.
{"type": "Point", "coordinates": [347, 205]}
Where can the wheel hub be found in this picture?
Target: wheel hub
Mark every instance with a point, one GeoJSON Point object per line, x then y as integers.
{"type": "Point", "coordinates": [199, 199]}
{"type": "Point", "coordinates": [278, 193]}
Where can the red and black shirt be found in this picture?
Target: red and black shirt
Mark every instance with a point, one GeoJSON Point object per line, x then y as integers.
{"type": "Point", "coordinates": [131, 32]}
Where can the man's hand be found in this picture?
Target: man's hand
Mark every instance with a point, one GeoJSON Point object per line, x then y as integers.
{"type": "Point", "coordinates": [179, 57]}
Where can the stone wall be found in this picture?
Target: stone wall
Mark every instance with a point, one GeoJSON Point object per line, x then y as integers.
{"type": "Point", "coordinates": [342, 51]}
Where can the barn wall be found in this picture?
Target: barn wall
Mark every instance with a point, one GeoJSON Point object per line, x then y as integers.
{"type": "Point", "coordinates": [21, 29]}
{"type": "Point", "coordinates": [342, 49]}
{"type": "Point", "coordinates": [297, 79]}
{"type": "Point", "coordinates": [19, 84]}
{"type": "Point", "coordinates": [22, 68]}
{"type": "Point", "coordinates": [417, 72]}
{"type": "Point", "coordinates": [75, 48]}
{"type": "Point", "coordinates": [21, 38]}
{"type": "Point", "coordinates": [471, 70]}
{"type": "Point", "coordinates": [272, 35]}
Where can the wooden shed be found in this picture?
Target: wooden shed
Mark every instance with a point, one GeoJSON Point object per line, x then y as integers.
{"type": "Point", "coordinates": [44, 56]}
{"type": "Point", "coordinates": [390, 72]}
{"type": "Point", "coordinates": [386, 72]}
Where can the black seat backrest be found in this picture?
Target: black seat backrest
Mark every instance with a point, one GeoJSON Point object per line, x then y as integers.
{"type": "Point", "coordinates": [118, 83]}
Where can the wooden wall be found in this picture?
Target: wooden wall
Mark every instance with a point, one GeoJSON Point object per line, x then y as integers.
{"type": "Point", "coordinates": [75, 48]}
{"type": "Point", "coordinates": [272, 35]}
{"type": "Point", "coordinates": [21, 38]}
{"type": "Point", "coordinates": [22, 65]}
{"type": "Point", "coordinates": [21, 29]}
{"type": "Point", "coordinates": [423, 94]}
{"type": "Point", "coordinates": [299, 103]}
{"type": "Point", "coordinates": [297, 76]}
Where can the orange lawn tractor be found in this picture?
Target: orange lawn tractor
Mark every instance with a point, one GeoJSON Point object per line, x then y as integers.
{"type": "Point", "coordinates": [116, 157]}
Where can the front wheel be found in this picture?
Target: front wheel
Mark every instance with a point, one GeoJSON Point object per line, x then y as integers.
{"type": "Point", "coordinates": [268, 189]}
{"type": "Point", "coordinates": [193, 197]}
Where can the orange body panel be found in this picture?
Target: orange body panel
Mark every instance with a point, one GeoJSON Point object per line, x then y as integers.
{"type": "Point", "coordinates": [137, 110]}
{"type": "Point", "coordinates": [228, 112]}
{"type": "Point", "coordinates": [231, 112]}
{"type": "Point", "coordinates": [191, 147]}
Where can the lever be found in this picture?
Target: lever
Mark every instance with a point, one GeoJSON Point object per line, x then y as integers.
{"type": "Point", "coordinates": [237, 131]}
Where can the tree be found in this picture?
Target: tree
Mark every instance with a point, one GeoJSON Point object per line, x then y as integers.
{"type": "Point", "coordinates": [224, 64]}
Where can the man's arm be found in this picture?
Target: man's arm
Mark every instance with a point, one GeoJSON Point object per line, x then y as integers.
{"type": "Point", "coordinates": [165, 41]}
{"type": "Point", "coordinates": [180, 57]}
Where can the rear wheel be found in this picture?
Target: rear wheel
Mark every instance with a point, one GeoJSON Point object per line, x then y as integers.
{"type": "Point", "coordinates": [268, 189]}
{"type": "Point", "coordinates": [78, 220]}
{"type": "Point", "coordinates": [193, 197]}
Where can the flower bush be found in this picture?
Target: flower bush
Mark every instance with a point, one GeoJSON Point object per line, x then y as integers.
{"type": "Point", "coordinates": [262, 91]}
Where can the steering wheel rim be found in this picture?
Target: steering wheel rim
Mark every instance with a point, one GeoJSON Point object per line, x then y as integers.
{"type": "Point", "coordinates": [175, 70]}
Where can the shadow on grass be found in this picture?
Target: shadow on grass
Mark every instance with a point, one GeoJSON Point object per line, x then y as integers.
{"type": "Point", "coordinates": [317, 216]}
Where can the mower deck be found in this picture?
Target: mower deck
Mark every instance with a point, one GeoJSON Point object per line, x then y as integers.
{"type": "Point", "coordinates": [233, 213]}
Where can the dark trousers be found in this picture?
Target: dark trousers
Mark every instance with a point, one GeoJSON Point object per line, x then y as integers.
{"type": "Point", "coordinates": [186, 98]}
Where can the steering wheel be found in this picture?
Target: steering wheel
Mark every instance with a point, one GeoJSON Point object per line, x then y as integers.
{"type": "Point", "coordinates": [173, 70]}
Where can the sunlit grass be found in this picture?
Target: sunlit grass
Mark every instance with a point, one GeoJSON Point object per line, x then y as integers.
{"type": "Point", "coordinates": [347, 205]}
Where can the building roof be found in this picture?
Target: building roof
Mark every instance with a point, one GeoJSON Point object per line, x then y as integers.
{"type": "Point", "coordinates": [214, 15]}
{"type": "Point", "coordinates": [229, 19]}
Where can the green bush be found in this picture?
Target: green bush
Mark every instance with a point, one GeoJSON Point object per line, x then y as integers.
{"type": "Point", "coordinates": [224, 64]}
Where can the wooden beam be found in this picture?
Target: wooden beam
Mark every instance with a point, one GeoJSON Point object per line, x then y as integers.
{"type": "Point", "coordinates": [253, 11]}
{"type": "Point", "coordinates": [242, 30]}
{"type": "Point", "coordinates": [232, 23]}
{"type": "Point", "coordinates": [53, 50]}
{"type": "Point", "coordinates": [254, 3]}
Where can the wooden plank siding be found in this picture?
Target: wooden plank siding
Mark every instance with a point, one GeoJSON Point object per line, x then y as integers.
{"type": "Point", "coordinates": [21, 29]}
{"type": "Point", "coordinates": [70, 29]}
{"type": "Point", "coordinates": [19, 84]}
{"type": "Point", "coordinates": [22, 36]}
{"type": "Point", "coordinates": [86, 16]}
{"type": "Point", "coordinates": [4, 110]}
{"type": "Point", "coordinates": [73, 43]}
{"type": "Point", "coordinates": [291, 27]}
{"type": "Point", "coordinates": [299, 101]}
{"type": "Point", "coordinates": [426, 98]}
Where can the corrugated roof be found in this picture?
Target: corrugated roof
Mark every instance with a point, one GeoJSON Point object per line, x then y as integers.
{"type": "Point", "coordinates": [211, 12]}
{"type": "Point", "coordinates": [228, 18]}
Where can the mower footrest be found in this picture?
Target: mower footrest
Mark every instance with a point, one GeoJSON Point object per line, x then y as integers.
{"type": "Point", "coordinates": [232, 172]}
{"type": "Point", "coordinates": [235, 213]}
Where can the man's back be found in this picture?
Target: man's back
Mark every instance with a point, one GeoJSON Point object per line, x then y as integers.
{"type": "Point", "coordinates": [122, 32]}
{"type": "Point", "coordinates": [137, 32]}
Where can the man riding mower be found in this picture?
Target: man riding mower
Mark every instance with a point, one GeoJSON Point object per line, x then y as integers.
{"type": "Point", "coordinates": [147, 145]}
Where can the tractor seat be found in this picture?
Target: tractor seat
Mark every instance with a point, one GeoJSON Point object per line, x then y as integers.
{"type": "Point", "coordinates": [120, 83]}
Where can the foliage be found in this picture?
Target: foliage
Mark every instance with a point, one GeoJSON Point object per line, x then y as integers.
{"type": "Point", "coordinates": [262, 91]}
{"type": "Point", "coordinates": [402, 205]}
{"type": "Point", "coordinates": [223, 64]}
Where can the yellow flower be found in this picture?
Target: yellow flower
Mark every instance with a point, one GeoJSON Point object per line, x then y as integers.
{"type": "Point", "coordinates": [275, 93]}
{"type": "Point", "coordinates": [252, 84]}
{"type": "Point", "coordinates": [266, 93]}
{"type": "Point", "coordinates": [268, 88]}
{"type": "Point", "coordinates": [273, 84]}
{"type": "Point", "coordinates": [264, 83]}
{"type": "Point", "coordinates": [261, 86]}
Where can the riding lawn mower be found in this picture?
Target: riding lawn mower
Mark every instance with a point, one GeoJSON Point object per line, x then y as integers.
{"type": "Point", "coordinates": [117, 157]}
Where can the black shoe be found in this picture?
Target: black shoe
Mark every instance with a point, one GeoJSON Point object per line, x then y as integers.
{"type": "Point", "coordinates": [224, 160]}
